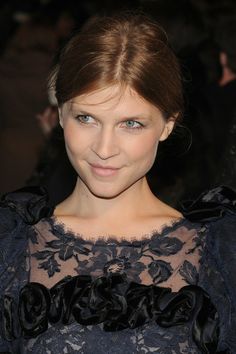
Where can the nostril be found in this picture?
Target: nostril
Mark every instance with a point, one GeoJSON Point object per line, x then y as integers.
{"type": "Point", "coordinates": [105, 148]}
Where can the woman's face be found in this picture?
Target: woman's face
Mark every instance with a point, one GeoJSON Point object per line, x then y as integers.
{"type": "Point", "coordinates": [111, 138]}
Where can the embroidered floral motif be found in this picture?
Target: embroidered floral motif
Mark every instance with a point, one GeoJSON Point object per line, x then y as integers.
{"type": "Point", "coordinates": [150, 258]}
{"type": "Point", "coordinates": [65, 247]}
{"type": "Point", "coordinates": [165, 246]}
{"type": "Point", "coordinates": [189, 273]}
{"type": "Point", "coordinates": [15, 234]}
{"type": "Point", "coordinates": [160, 271]}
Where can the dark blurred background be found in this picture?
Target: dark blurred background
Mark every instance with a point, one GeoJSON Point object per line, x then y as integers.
{"type": "Point", "coordinates": [201, 152]}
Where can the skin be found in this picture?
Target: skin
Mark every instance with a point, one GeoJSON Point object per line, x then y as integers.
{"type": "Point", "coordinates": [119, 129]}
{"type": "Point", "coordinates": [227, 74]}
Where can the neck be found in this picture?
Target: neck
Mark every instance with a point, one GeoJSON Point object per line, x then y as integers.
{"type": "Point", "coordinates": [129, 204]}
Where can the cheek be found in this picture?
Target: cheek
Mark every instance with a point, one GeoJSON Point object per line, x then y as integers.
{"type": "Point", "coordinates": [75, 141]}
{"type": "Point", "coordinates": [145, 150]}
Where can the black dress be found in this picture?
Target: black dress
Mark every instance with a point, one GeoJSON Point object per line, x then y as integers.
{"type": "Point", "coordinates": [169, 292]}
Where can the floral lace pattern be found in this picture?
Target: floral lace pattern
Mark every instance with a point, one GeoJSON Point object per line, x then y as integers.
{"type": "Point", "coordinates": [198, 250]}
{"type": "Point", "coordinates": [169, 259]}
{"type": "Point", "coordinates": [76, 339]}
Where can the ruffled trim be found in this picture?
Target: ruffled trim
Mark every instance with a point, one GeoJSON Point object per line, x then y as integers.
{"type": "Point", "coordinates": [113, 302]}
{"type": "Point", "coordinates": [211, 205]}
{"type": "Point", "coordinates": [30, 203]}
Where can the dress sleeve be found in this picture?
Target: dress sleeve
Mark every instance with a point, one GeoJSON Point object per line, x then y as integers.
{"type": "Point", "coordinates": [217, 210]}
{"type": "Point", "coordinates": [18, 210]}
{"type": "Point", "coordinates": [9, 225]}
{"type": "Point", "coordinates": [221, 276]}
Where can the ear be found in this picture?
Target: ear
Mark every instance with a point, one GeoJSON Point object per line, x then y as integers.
{"type": "Point", "coordinates": [169, 126]}
{"type": "Point", "coordinates": [223, 59]}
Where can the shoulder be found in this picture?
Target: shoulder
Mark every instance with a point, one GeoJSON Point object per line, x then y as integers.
{"type": "Point", "coordinates": [29, 204]}
{"type": "Point", "coordinates": [211, 205]}
{"type": "Point", "coordinates": [216, 209]}
{"type": "Point", "coordinates": [18, 210]}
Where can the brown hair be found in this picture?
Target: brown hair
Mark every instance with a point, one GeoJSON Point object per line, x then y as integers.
{"type": "Point", "coordinates": [125, 50]}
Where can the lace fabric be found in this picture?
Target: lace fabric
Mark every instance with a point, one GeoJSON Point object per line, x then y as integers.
{"type": "Point", "coordinates": [185, 253]}
{"type": "Point", "coordinates": [170, 258]}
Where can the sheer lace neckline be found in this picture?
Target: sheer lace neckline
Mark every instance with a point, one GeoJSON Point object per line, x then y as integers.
{"type": "Point", "coordinates": [62, 228]}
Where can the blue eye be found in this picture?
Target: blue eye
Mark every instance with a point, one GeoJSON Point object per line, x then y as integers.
{"type": "Point", "coordinates": [132, 124]}
{"type": "Point", "coordinates": [85, 119]}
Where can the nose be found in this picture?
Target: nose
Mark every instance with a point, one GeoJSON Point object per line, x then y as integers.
{"type": "Point", "coordinates": [105, 144]}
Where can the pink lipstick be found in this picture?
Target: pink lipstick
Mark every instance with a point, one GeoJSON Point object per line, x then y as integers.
{"type": "Point", "coordinates": [104, 171]}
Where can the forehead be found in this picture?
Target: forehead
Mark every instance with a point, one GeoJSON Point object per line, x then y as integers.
{"type": "Point", "coordinates": [124, 101]}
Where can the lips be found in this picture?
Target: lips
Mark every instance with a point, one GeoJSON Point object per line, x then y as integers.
{"type": "Point", "coordinates": [104, 171]}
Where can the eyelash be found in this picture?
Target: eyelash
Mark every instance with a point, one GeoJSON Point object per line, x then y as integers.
{"type": "Point", "coordinates": [81, 116]}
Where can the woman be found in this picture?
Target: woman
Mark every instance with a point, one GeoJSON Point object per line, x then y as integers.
{"type": "Point", "coordinates": [112, 269]}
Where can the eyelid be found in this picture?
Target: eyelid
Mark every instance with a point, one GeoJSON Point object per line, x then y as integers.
{"type": "Point", "coordinates": [83, 115]}
{"type": "Point", "coordinates": [78, 116]}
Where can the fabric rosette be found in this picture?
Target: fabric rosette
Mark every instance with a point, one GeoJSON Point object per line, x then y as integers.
{"type": "Point", "coordinates": [114, 302]}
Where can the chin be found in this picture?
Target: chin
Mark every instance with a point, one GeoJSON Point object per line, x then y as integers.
{"type": "Point", "coordinates": [106, 190]}
{"type": "Point", "coordinates": [105, 193]}
{"type": "Point", "coordinates": [110, 191]}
